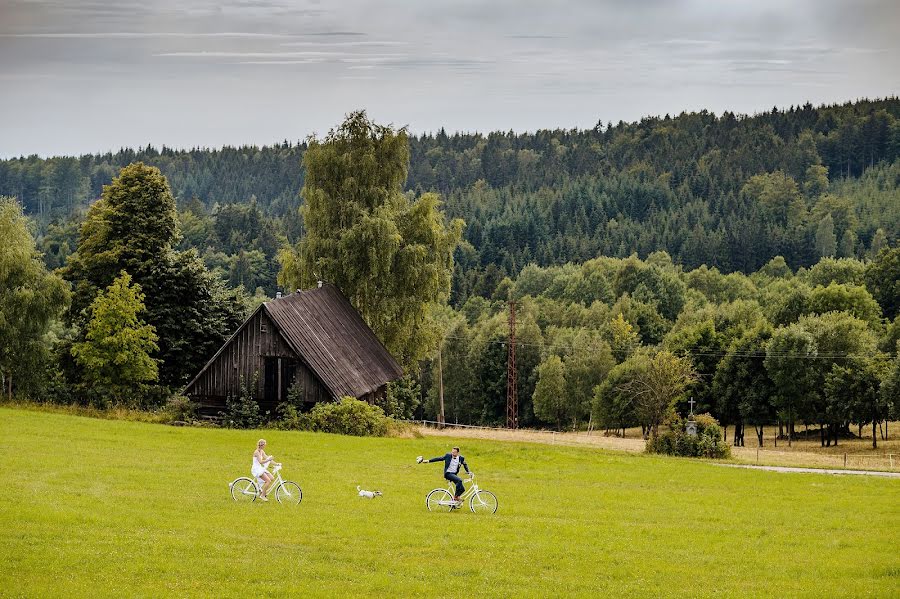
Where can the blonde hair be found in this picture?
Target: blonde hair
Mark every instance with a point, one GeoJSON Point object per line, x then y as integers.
{"type": "Point", "coordinates": [261, 442]}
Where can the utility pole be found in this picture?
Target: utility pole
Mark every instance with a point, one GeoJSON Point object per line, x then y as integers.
{"type": "Point", "coordinates": [441, 388]}
{"type": "Point", "coordinates": [512, 399]}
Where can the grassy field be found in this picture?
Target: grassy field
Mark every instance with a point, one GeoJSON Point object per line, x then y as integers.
{"type": "Point", "coordinates": [101, 507]}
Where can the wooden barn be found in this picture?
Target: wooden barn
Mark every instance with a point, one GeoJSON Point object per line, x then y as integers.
{"type": "Point", "coordinates": [312, 338]}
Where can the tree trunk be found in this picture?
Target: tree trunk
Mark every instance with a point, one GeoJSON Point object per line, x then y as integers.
{"type": "Point", "coordinates": [822, 436]}
{"type": "Point", "coordinates": [738, 434]}
{"type": "Point", "coordinates": [791, 427]}
{"type": "Point", "coordinates": [874, 436]}
{"type": "Point", "coordinates": [759, 435]}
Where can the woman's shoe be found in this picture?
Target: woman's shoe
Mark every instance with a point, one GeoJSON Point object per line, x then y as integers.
{"type": "Point", "coordinates": [262, 498]}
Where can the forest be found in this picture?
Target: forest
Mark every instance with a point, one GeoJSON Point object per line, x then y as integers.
{"type": "Point", "coordinates": [755, 255]}
{"type": "Point", "coordinates": [682, 184]}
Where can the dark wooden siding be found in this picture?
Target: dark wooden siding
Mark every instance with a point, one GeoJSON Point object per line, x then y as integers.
{"type": "Point", "coordinates": [243, 357]}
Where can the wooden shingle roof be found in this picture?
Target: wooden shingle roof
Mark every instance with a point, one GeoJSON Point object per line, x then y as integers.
{"type": "Point", "coordinates": [329, 335]}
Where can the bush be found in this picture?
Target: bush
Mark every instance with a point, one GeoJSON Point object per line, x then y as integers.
{"type": "Point", "coordinates": [401, 399]}
{"type": "Point", "coordinates": [707, 444]}
{"type": "Point", "coordinates": [347, 416]}
{"type": "Point", "coordinates": [291, 419]}
{"type": "Point", "coordinates": [180, 409]}
{"type": "Point", "coordinates": [242, 411]}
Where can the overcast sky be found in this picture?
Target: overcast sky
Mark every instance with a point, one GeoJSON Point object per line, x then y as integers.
{"type": "Point", "coordinates": [94, 75]}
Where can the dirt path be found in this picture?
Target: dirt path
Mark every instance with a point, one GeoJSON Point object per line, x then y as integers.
{"type": "Point", "coordinates": [814, 470]}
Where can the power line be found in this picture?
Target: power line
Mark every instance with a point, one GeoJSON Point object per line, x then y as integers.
{"type": "Point", "coordinates": [877, 355]}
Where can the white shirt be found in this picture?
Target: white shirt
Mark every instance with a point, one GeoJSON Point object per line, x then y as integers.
{"type": "Point", "coordinates": [453, 468]}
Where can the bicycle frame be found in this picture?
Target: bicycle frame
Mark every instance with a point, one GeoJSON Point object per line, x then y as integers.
{"type": "Point", "coordinates": [473, 488]}
{"type": "Point", "coordinates": [277, 480]}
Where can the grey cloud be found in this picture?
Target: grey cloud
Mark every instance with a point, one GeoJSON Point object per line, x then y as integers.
{"type": "Point", "coordinates": [191, 67]}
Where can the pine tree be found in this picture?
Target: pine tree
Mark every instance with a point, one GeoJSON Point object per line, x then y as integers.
{"type": "Point", "coordinates": [134, 227]}
{"type": "Point", "coordinates": [826, 243]}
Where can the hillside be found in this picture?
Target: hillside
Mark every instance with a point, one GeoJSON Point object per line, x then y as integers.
{"type": "Point", "coordinates": [682, 184]}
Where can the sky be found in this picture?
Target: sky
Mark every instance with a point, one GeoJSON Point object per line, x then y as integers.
{"type": "Point", "coordinates": [85, 76]}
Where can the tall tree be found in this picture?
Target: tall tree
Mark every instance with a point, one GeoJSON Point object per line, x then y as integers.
{"type": "Point", "coordinates": [133, 227]}
{"type": "Point", "coordinates": [658, 385]}
{"type": "Point", "coordinates": [883, 280]}
{"type": "Point", "coordinates": [30, 298]}
{"type": "Point", "coordinates": [826, 242]}
{"type": "Point", "coordinates": [585, 368]}
{"type": "Point", "coordinates": [889, 390]}
{"type": "Point", "coordinates": [551, 402]}
{"type": "Point", "coordinates": [613, 405]}
{"type": "Point", "coordinates": [623, 338]}
{"type": "Point", "coordinates": [789, 361]}
{"type": "Point", "coordinates": [742, 384]}
{"type": "Point", "coordinates": [851, 394]}
{"type": "Point", "coordinates": [391, 255]}
{"type": "Point", "coordinates": [115, 355]}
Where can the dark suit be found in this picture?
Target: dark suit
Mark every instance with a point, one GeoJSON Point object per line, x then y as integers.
{"type": "Point", "coordinates": [453, 476]}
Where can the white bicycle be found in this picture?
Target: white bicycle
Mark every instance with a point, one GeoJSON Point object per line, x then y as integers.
{"type": "Point", "coordinates": [441, 500]}
{"type": "Point", "coordinates": [246, 490]}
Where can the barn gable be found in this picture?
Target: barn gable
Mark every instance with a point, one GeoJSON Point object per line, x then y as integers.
{"type": "Point", "coordinates": [332, 338]}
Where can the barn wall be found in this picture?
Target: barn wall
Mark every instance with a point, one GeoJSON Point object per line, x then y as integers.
{"type": "Point", "coordinates": [244, 357]}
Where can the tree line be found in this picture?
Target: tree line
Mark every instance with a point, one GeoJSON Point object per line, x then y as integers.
{"type": "Point", "coordinates": [137, 302]}
{"type": "Point", "coordinates": [618, 343]}
{"type": "Point", "coordinates": [727, 191]}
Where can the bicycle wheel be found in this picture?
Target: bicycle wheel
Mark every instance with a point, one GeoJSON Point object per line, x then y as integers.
{"type": "Point", "coordinates": [483, 502]}
{"type": "Point", "coordinates": [439, 500]}
{"type": "Point", "coordinates": [244, 490]}
{"type": "Point", "coordinates": [289, 492]}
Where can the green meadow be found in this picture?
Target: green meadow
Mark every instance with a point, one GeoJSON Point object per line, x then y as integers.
{"type": "Point", "coordinates": [99, 507]}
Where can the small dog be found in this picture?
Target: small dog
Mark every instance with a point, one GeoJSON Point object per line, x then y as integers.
{"type": "Point", "coordinates": [368, 494]}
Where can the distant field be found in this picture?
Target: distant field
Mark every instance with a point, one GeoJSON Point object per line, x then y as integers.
{"type": "Point", "coordinates": [852, 454]}
{"type": "Point", "coordinates": [98, 508]}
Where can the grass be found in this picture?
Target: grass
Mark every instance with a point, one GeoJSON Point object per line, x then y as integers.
{"type": "Point", "coordinates": [102, 507]}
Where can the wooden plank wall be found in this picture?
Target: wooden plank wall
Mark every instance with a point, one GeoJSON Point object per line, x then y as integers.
{"type": "Point", "coordinates": [243, 358]}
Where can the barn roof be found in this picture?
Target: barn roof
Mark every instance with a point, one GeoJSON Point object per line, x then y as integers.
{"type": "Point", "coordinates": [329, 335]}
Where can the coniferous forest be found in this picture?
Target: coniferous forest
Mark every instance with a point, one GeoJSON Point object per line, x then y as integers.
{"type": "Point", "coordinates": [735, 242]}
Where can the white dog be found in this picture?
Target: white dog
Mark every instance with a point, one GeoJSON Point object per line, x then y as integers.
{"type": "Point", "coordinates": [368, 494]}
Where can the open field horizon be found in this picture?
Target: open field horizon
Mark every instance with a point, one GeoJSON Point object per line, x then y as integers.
{"type": "Point", "coordinates": [804, 452]}
{"type": "Point", "coordinates": [141, 509]}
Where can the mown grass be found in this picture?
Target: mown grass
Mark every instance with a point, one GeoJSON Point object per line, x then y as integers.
{"type": "Point", "coordinates": [98, 508]}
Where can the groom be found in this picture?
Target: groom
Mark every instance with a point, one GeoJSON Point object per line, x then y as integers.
{"type": "Point", "coordinates": [452, 462]}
